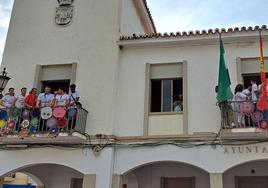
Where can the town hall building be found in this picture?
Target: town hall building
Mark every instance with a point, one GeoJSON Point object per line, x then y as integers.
{"type": "Point", "coordinates": [149, 115]}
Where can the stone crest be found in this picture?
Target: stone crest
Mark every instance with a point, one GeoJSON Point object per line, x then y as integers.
{"type": "Point", "coordinates": [64, 12]}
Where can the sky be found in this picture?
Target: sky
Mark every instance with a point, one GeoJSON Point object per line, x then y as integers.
{"type": "Point", "coordinates": [187, 15]}
{"type": "Point", "coordinates": [183, 15]}
{"type": "Point", "coordinates": [5, 12]}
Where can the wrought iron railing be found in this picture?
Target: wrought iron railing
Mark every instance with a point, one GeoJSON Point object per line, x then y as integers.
{"type": "Point", "coordinates": [240, 114]}
{"type": "Point", "coordinates": [42, 120]}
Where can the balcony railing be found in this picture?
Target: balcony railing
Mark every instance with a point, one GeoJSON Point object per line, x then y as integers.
{"type": "Point", "coordinates": [42, 120]}
{"type": "Point", "coordinates": [243, 114]}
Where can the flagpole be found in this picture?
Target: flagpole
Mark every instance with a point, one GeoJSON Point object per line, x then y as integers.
{"type": "Point", "coordinates": [262, 103]}
{"type": "Point", "coordinates": [224, 91]}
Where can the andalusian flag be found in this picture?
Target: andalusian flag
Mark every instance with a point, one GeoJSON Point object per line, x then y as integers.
{"type": "Point", "coordinates": [262, 104]}
{"type": "Point", "coordinates": [224, 90]}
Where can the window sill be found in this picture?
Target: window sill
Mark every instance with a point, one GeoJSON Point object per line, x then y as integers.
{"type": "Point", "coordinates": [164, 113]}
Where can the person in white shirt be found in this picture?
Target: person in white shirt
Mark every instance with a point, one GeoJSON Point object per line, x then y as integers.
{"type": "Point", "coordinates": [45, 99]}
{"type": "Point", "coordinates": [9, 100]}
{"type": "Point", "coordinates": [74, 95]}
{"type": "Point", "coordinates": [61, 99]}
{"type": "Point", "coordinates": [74, 103]}
{"type": "Point", "coordinates": [239, 96]}
{"type": "Point", "coordinates": [254, 90]}
{"type": "Point", "coordinates": [20, 98]}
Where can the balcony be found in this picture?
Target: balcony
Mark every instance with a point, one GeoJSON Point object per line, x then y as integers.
{"type": "Point", "coordinates": [42, 125]}
{"type": "Point", "coordinates": [242, 120]}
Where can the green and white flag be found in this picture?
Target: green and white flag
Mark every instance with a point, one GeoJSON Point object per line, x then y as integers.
{"type": "Point", "coordinates": [224, 82]}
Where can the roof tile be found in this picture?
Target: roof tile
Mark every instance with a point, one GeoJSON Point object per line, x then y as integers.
{"type": "Point", "coordinates": [194, 33]}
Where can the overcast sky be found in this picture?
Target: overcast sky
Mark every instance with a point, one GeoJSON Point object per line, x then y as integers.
{"type": "Point", "coordinates": [183, 15]}
{"type": "Point", "coordinates": [5, 11]}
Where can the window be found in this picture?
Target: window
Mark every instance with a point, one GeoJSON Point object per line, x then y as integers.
{"type": "Point", "coordinates": [166, 88]}
{"type": "Point", "coordinates": [166, 95]}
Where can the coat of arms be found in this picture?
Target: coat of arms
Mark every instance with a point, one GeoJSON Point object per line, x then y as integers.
{"type": "Point", "coordinates": [64, 12]}
{"type": "Point", "coordinates": [64, 15]}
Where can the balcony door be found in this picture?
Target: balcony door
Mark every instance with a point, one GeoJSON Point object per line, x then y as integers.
{"type": "Point", "coordinates": [248, 77]}
{"type": "Point", "coordinates": [55, 84]}
{"type": "Point", "coordinates": [181, 182]}
{"type": "Point", "coordinates": [251, 182]}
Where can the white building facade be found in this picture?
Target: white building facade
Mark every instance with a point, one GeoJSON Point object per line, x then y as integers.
{"type": "Point", "coordinates": [133, 136]}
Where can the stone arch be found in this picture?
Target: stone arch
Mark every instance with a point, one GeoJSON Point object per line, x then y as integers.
{"type": "Point", "coordinates": [50, 174]}
{"type": "Point", "coordinates": [19, 168]}
{"type": "Point", "coordinates": [151, 174]}
{"type": "Point", "coordinates": [164, 161]}
{"type": "Point", "coordinates": [249, 168]}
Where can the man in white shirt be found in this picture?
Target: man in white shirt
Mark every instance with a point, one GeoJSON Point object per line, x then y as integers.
{"type": "Point", "coordinates": [20, 98]}
{"type": "Point", "coordinates": [61, 98]}
{"type": "Point", "coordinates": [254, 90]}
{"type": "Point", "coordinates": [74, 95]}
{"type": "Point", "coordinates": [74, 101]}
{"type": "Point", "coordinates": [45, 99]}
{"type": "Point", "coordinates": [9, 100]}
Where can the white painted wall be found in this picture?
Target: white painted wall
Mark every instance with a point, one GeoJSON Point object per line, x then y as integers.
{"type": "Point", "coordinates": [260, 168]}
{"type": "Point", "coordinates": [90, 40]}
{"type": "Point", "coordinates": [81, 160]}
{"type": "Point", "coordinates": [202, 77]}
{"type": "Point", "coordinates": [130, 21]}
{"type": "Point", "coordinates": [149, 176]}
{"type": "Point", "coordinates": [172, 123]}
{"type": "Point", "coordinates": [208, 158]}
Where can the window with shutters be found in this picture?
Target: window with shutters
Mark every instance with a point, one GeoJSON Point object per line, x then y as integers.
{"type": "Point", "coordinates": [166, 91]}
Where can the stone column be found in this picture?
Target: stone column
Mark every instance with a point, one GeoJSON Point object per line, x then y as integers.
{"type": "Point", "coordinates": [117, 181]}
{"type": "Point", "coordinates": [89, 181]}
{"type": "Point", "coordinates": [216, 180]}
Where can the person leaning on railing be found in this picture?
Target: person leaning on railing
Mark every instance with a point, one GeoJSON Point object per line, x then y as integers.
{"type": "Point", "coordinates": [73, 103]}
{"type": "Point", "coordinates": [74, 96]}
{"type": "Point", "coordinates": [45, 99]}
{"type": "Point", "coordinates": [31, 99]}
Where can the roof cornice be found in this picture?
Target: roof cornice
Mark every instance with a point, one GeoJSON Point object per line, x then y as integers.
{"type": "Point", "coordinates": [231, 35]}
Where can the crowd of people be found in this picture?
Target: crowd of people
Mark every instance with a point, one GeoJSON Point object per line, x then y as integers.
{"type": "Point", "coordinates": [245, 100]}
{"type": "Point", "coordinates": [45, 99]}
{"type": "Point", "coordinates": [17, 105]}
